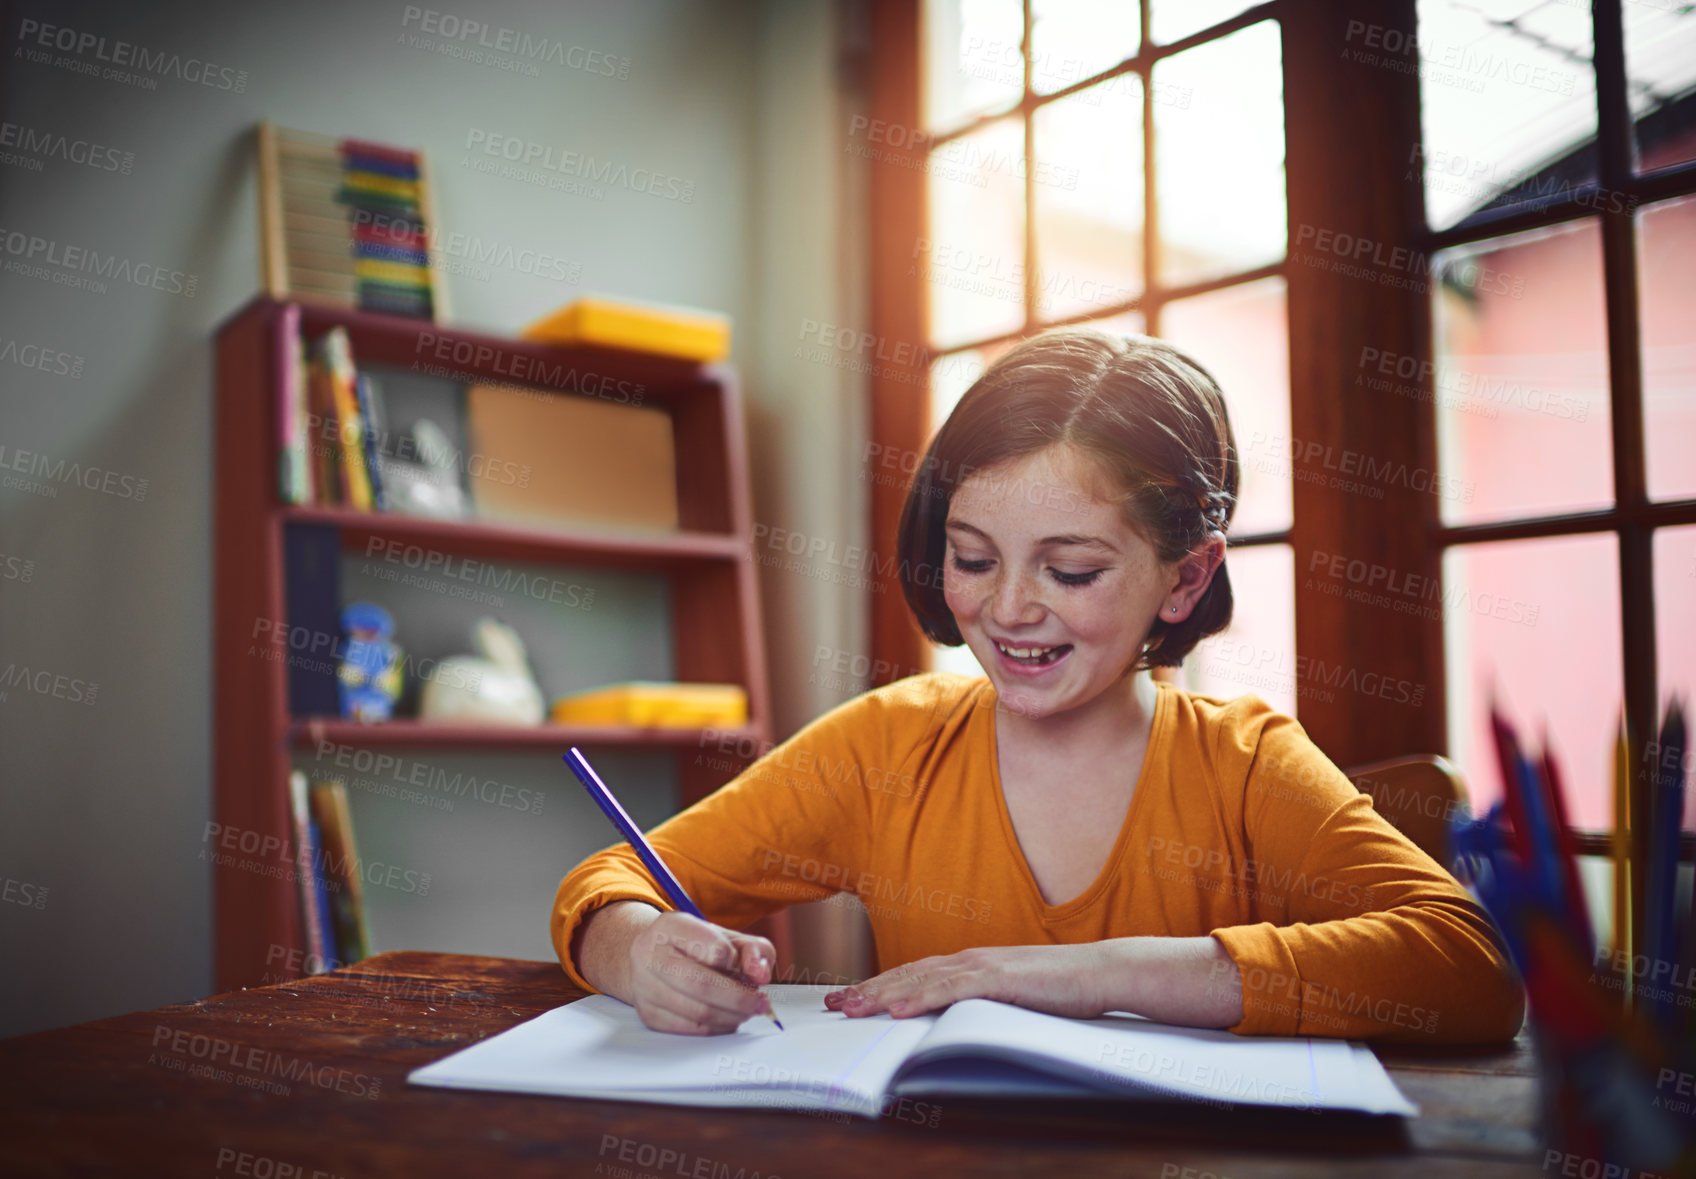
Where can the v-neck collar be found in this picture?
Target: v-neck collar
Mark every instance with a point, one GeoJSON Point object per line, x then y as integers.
{"type": "Point", "coordinates": [1157, 738]}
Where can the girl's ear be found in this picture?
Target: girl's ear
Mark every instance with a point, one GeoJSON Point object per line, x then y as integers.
{"type": "Point", "coordinates": [1195, 574]}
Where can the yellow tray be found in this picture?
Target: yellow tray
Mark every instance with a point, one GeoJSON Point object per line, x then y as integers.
{"type": "Point", "coordinates": [655, 705]}
{"type": "Point", "coordinates": [606, 323]}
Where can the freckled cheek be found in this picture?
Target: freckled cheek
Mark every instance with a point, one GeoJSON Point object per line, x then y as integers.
{"type": "Point", "coordinates": [1102, 617]}
{"type": "Point", "coordinates": [960, 603]}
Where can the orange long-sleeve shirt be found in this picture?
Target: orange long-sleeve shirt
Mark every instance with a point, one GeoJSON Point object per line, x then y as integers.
{"type": "Point", "coordinates": [1238, 827]}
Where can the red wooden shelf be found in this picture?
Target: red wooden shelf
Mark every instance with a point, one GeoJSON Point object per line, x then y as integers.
{"type": "Point", "coordinates": [714, 616]}
{"type": "Point", "coordinates": [519, 542]}
{"type": "Point", "coordinates": [306, 731]}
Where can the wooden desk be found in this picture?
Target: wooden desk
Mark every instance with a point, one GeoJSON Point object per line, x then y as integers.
{"type": "Point", "coordinates": [311, 1076]}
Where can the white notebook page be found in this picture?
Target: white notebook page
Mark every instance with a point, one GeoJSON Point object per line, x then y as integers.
{"type": "Point", "coordinates": [1125, 1053]}
{"type": "Point", "coordinates": [598, 1047]}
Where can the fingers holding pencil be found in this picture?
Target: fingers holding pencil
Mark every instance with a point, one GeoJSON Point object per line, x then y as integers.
{"type": "Point", "coordinates": [741, 958]}
{"type": "Point", "coordinates": [695, 978]}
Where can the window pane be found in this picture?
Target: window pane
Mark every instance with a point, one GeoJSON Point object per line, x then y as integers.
{"type": "Point", "coordinates": [1675, 608]}
{"type": "Point", "coordinates": [973, 63]}
{"type": "Point", "coordinates": [1660, 69]}
{"type": "Point", "coordinates": [952, 375]}
{"type": "Point", "coordinates": [1219, 154]}
{"type": "Point", "coordinates": [1076, 39]}
{"type": "Point", "coordinates": [1538, 623]}
{"type": "Point", "coordinates": [974, 258]}
{"type": "Point", "coordinates": [1522, 376]}
{"type": "Point", "coordinates": [1257, 652]}
{"type": "Point", "coordinates": [1241, 336]}
{"type": "Point", "coordinates": [1127, 323]}
{"type": "Point", "coordinates": [1667, 279]}
{"type": "Point", "coordinates": [1507, 99]}
{"type": "Point", "coordinates": [1173, 20]}
{"type": "Point", "coordinates": [1088, 198]}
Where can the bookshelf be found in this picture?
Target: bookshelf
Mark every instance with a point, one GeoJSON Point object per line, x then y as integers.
{"type": "Point", "coordinates": [706, 564]}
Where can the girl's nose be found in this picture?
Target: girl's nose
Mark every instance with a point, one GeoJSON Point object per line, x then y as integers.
{"type": "Point", "coordinates": [1016, 601]}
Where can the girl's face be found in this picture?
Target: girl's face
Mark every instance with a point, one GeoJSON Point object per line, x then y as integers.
{"type": "Point", "coordinates": [1051, 589]}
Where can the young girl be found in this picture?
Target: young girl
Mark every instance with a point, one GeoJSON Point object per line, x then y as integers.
{"type": "Point", "coordinates": [1067, 834]}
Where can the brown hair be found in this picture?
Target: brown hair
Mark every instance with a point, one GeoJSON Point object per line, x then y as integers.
{"type": "Point", "coordinates": [1153, 419]}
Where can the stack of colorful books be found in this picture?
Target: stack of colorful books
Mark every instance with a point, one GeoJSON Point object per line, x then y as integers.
{"type": "Point", "coordinates": [330, 423]}
{"type": "Point", "coordinates": [329, 874]}
{"type": "Point", "coordinates": [1615, 1026]}
{"type": "Point", "coordinates": [383, 186]}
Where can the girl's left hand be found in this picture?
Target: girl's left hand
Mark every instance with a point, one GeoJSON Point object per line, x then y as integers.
{"type": "Point", "coordinates": [1061, 980]}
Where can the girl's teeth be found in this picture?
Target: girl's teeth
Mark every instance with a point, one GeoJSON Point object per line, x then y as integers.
{"type": "Point", "coordinates": [1031, 654]}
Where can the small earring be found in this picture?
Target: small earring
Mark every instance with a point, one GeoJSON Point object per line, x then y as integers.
{"type": "Point", "coordinates": [1174, 609]}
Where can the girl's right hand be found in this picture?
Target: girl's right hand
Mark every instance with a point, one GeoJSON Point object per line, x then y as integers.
{"type": "Point", "coordinates": [694, 978]}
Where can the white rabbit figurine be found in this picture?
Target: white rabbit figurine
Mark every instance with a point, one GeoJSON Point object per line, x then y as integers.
{"type": "Point", "coordinates": [493, 687]}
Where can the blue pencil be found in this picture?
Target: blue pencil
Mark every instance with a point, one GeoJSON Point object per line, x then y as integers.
{"type": "Point", "coordinates": [1661, 890]}
{"type": "Point", "coordinates": [1544, 866]}
{"type": "Point", "coordinates": [621, 819]}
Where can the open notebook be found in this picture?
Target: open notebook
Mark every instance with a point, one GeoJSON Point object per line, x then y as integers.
{"type": "Point", "coordinates": [597, 1047]}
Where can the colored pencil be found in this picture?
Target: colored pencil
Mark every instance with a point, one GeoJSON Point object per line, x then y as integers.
{"type": "Point", "coordinates": [1606, 1060]}
{"type": "Point", "coordinates": [1578, 912]}
{"type": "Point", "coordinates": [1667, 820]}
{"type": "Point", "coordinates": [615, 811]}
{"type": "Point", "coordinates": [1623, 945]}
{"type": "Point", "coordinates": [1507, 757]}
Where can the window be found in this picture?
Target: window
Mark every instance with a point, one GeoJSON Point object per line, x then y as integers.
{"type": "Point", "coordinates": [1101, 162]}
{"type": "Point", "coordinates": [1556, 158]}
{"type": "Point", "coordinates": [1482, 308]}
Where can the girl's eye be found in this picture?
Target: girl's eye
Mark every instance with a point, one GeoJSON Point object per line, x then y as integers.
{"type": "Point", "coordinates": [1063, 578]}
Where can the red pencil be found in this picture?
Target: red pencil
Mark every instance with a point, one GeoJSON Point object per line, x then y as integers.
{"type": "Point", "coordinates": [1578, 910]}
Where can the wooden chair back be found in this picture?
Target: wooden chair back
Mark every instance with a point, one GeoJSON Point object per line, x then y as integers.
{"type": "Point", "coordinates": [1419, 795]}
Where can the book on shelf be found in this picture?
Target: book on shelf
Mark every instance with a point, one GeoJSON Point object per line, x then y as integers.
{"type": "Point", "coordinates": [321, 899]}
{"type": "Point", "coordinates": [294, 473]}
{"type": "Point", "coordinates": [342, 378]}
{"type": "Point", "coordinates": [325, 453]}
{"type": "Point", "coordinates": [370, 399]}
{"type": "Point", "coordinates": [314, 898]}
{"type": "Point", "coordinates": [311, 572]}
{"type": "Point", "coordinates": [340, 866]}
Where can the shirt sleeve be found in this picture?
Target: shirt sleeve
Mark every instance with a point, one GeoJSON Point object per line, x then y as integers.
{"type": "Point", "coordinates": [1369, 936]}
{"type": "Point", "coordinates": [791, 828]}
